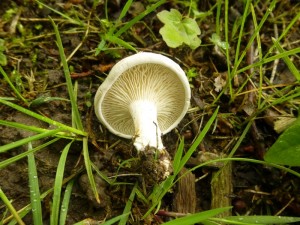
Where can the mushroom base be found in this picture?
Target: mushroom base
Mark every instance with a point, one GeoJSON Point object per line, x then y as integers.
{"type": "Point", "coordinates": [147, 131]}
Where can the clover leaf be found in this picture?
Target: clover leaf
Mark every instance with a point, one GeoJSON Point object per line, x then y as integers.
{"type": "Point", "coordinates": [179, 30]}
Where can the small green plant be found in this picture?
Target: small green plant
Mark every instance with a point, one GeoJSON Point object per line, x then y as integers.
{"type": "Point", "coordinates": [179, 30]}
{"type": "Point", "coordinates": [216, 40]}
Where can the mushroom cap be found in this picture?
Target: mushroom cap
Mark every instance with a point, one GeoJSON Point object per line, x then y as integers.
{"type": "Point", "coordinates": [143, 76]}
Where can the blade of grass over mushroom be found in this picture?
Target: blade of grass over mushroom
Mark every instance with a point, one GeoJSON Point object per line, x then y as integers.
{"type": "Point", "coordinates": [65, 203]}
{"type": "Point", "coordinates": [128, 206]}
{"type": "Point", "coordinates": [11, 208]}
{"type": "Point", "coordinates": [16, 144]}
{"type": "Point", "coordinates": [88, 166]}
{"type": "Point", "coordinates": [24, 154]}
{"type": "Point", "coordinates": [287, 60]}
{"type": "Point", "coordinates": [58, 185]}
{"type": "Point", "coordinates": [68, 78]}
{"type": "Point", "coordinates": [16, 91]}
{"type": "Point", "coordinates": [34, 189]}
{"type": "Point", "coordinates": [42, 118]}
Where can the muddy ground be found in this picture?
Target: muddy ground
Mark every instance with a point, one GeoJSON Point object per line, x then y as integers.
{"type": "Point", "coordinates": [33, 64]}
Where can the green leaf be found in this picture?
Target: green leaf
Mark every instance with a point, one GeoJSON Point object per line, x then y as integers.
{"type": "Point", "coordinates": [263, 219]}
{"type": "Point", "coordinates": [166, 17]}
{"type": "Point", "coordinates": [179, 30]}
{"type": "Point", "coordinates": [173, 41]}
{"type": "Point", "coordinates": [286, 150]}
{"type": "Point", "coordinates": [197, 217]}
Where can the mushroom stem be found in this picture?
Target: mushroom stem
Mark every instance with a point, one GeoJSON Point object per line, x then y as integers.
{"type": "Point", "coordinates": [147, 131]}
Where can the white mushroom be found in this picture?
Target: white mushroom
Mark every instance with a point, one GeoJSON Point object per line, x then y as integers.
{"type": "Point", "coordinates": [144, 96]}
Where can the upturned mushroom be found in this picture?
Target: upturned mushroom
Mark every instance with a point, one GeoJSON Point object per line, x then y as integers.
{"type": "Point", "coordinates": [143, 97]}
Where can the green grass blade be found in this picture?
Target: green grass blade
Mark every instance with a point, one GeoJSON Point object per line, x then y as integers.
{"type": "Point", "coordinates": [197, 217]}
{"type": "Point", "coordinates": [34, 189]}
{"type": "Point", "coordinates": [218, 14]}
{"type": "Point", "coordinates": [101, 174]}
{"type": "Point", "coordinates": [178, 157]}
{"type": "Point", "coordinates": [252, 38]}
{"type": "Point", "coordinates": [58, 185]}
{"type": "Point", "coordinates": [125, 9]}
{"type": "Point", "coordinates": [22, 126]}
{"type": "Point", "coordinates": [72, 95]}
{"type": "Point", "coordinates": [120, 42]}
{"type": "Point", "coordinates": [241, 34]}
{"type": "Point", "coordinates": [33, 128]}
{"type": "Point", "coordinates": [88, 167]}
{"type": "Point", "coordinates": [260, 56]}
{"type": "Point", "coordinates": [138, 18]}
{"type": "Point", "coordinates": [61, 14]}
{"type": "Point", "coordinates": [42, 118]}
{"type": "Point", "coordinates": [12, 86]}
{"type": "Point", "coordinates": [198, 140]}
{"type": "Point", "coordinates": [108, 222]}
{"type": "Point", "coordinates": [263, 219]}
{"type": "Point", "coordinates": [294, 51]}
{"type": "Point", "coordinates": [15, 144]}
{"type": "Point", "coordinates": [287, 61]}
{"type": "Point", "coordinates": [158, 193]}
{"type": "Point", "coordinates": [284, 33]}
{"type": "Point", "coordinates": [26, 209]}
{"type": "Point", "coordinates": [65, 203]}
{"type": "Point", "coordinates": [241, 138]}
{"type": "Point", "coordinates": [228, 61]}
{"type": "Point", "coordinates": [128, 206]}
{"type": "Point", "coordinates": [11, 207]}
{"type": "Point", "coordinates": [24, 154]}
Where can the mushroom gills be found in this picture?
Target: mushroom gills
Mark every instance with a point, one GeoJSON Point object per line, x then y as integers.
{"type": "Point", "coordinates": [147, 131]}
